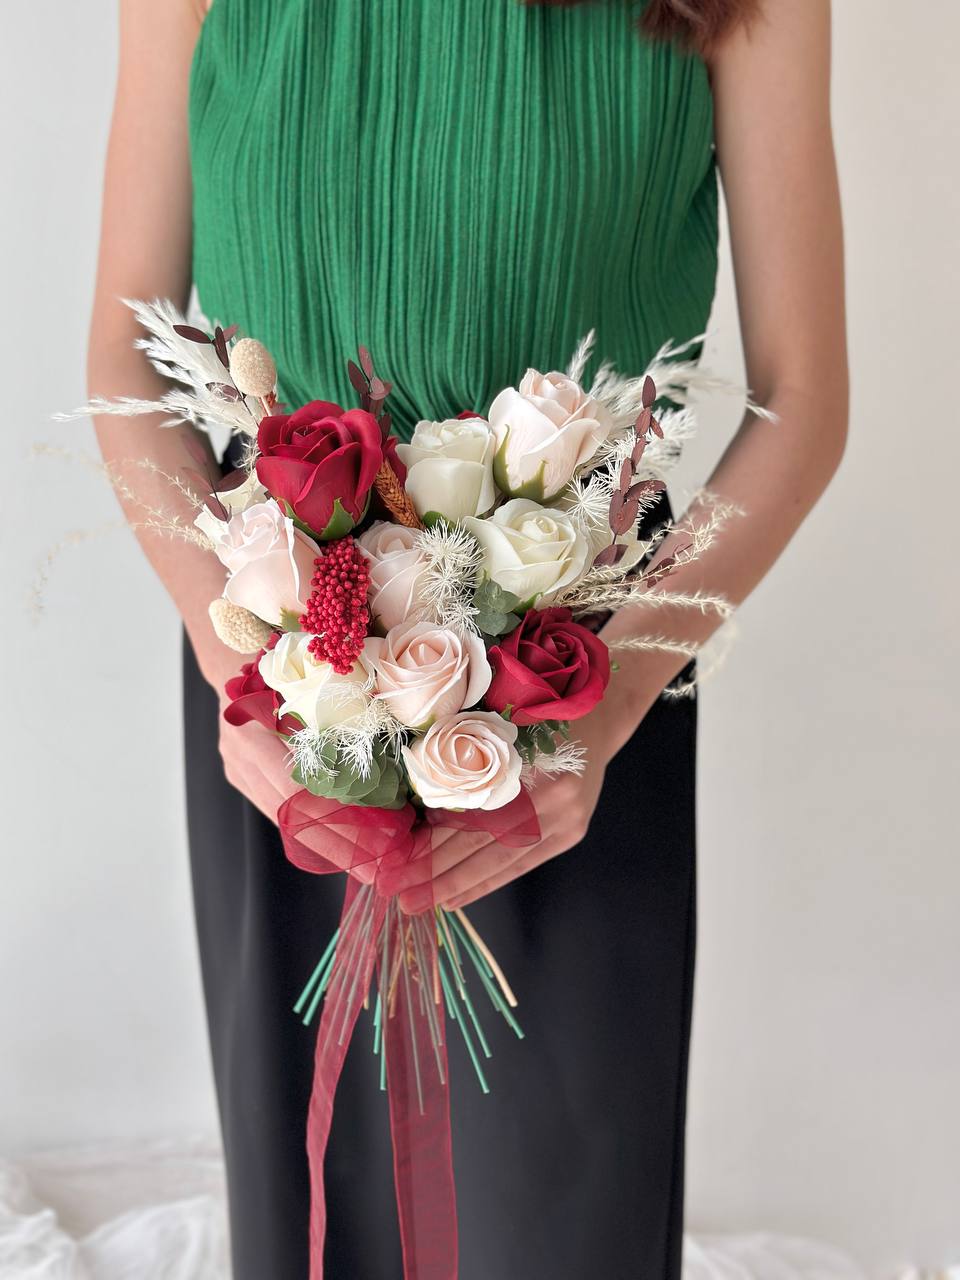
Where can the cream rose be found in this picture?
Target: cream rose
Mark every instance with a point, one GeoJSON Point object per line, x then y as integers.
{"type": "Point", "coordinates": [450, 467]}
{"type": "Point", "coordinates": [530, 550]}
{"type": "Point", "coordinates": [313, 690]}
{"type": "Point", "coordinates": [423, 672]}
{"type": "Point", "coordinates": [545, 429]}
{"type": "Point", "coordinates": [397, 573]}
{"type": "Point", "coordinates": [270, 560]}
{"type": "Point", "coordinates": [466, 761]}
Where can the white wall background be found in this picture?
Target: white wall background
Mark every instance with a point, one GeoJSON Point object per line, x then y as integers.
{"type": "Point", "coordinates": [824, 1090]}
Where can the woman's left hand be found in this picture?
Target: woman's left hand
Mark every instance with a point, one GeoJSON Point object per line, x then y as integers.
{"type": "Point", "coordinates": [466, 865]}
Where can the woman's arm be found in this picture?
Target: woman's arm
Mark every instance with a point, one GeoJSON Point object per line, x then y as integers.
{"type": "Point", "coordinates": [775, 147]}
{"type": "Point", "coordinates": [145, 252]}
{"type": "Point", "coordinates": [772, 90]}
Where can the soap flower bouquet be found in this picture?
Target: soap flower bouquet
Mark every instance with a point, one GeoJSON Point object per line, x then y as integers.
{"type": "Point", "coordinates": [420, 625]}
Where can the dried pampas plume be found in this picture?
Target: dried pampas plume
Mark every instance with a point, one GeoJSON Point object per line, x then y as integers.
{"type": "Point", "coordinates": [206, 395]}
{"type": "Point", "coordinates": [451, 575]}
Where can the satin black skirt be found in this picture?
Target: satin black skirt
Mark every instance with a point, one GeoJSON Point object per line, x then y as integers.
{"type": "Point", "coordinates": [572, 1167]}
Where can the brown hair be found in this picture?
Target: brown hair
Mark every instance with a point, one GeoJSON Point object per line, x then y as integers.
{"type": "Point", "coordinates": [696, 24]}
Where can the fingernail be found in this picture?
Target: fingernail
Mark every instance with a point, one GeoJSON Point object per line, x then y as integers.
{"type": "Point", "coordinates": [415, 901]}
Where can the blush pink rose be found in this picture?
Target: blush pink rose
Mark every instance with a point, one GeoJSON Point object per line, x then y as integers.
{"type": "Point", "coordinates": [423, 672]}
{"type": "Point", "coordinates": [270, 560]}
{"type": "Point", "coordinates": [545, 428]}
{"type": "Point", "coordinates": [466, 761]}
{"type": "Point", "coordinates": [397, 573]}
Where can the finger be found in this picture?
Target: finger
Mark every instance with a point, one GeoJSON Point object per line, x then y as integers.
{"type": "Point", "coordinates": [341, 855]}
{"type": "Point", "coordinates": [480, 866]}
{"type": "Point", "coordinates": [529, 860]}
{"type": "Point", "coordinates": [436, 860]}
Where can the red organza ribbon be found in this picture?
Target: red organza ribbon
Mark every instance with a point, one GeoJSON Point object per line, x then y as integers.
{"type": "Point", "coordinates": [372, 845]}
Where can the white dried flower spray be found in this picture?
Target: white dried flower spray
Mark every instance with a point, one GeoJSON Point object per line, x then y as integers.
{"type": "Point", "coordinates": [603, 587]}
{"type": "Point", "coordinates": [206, 397]}
{"type": "Point", "coordinates": [569, 757]}
{"type": "Point", "coordinates": [355, 742]}
{"type": "Point", "coordinates": [451, 575]}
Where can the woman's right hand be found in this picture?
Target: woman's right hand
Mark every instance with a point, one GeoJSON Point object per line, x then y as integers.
{"type": "Point", "coordinates": [257, 764]}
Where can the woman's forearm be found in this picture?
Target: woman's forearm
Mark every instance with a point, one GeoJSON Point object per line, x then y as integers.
{"type": "Point", "coordinates": [148, 463]}
{"type": "Point", "coordinates": [773, 473]}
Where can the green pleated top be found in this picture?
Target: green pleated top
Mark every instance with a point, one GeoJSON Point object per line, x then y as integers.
{"type": "Point", "coordinates": [464, 186]}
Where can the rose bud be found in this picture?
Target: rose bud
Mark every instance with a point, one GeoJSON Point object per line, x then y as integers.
{"type": "Point", "coordinates": [320, 464]}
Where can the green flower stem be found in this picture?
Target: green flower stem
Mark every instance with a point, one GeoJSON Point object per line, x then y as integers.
{"type": "Point", "coordinates": [320, 975]}
{"type": "Point", "coordinates": [487, 978]}
{"type": "Point", "coordinates": [377, 1009]}
{"type": "Point", "coordinates": [452, 1009]}
{"type": "Point", "coordinates": [426, 993]}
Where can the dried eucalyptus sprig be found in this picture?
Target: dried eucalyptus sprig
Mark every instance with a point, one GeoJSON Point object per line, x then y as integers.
{"type": "Point", "coordinates": [373, 392]}
{"type": "Point", "coordinates": [632, 495]}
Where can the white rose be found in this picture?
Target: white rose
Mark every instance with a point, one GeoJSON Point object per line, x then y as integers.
{"type": "Point", "coordinates": [530, 550]}
{"type": "Point", "coordinates": [466, 761]}
{"type": "Point", "coordinates": [270, 560]}
{"type": "Point", "coordinates": [423, 672]}
{"type": "Point", "coordinates": [310, 689]}
{"type": "Point", "coordinates": [450, 467]}
{"type": "Point", "coordinates": [397, 573]}
{"type": "Point", "coordinates": [545, 429]}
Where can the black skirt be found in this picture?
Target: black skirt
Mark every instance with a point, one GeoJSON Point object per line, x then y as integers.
{"type": "Point", "coordinates": [572, 1167]}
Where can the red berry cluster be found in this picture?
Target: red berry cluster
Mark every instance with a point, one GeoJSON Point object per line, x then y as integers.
{"type": "Point", "coordinates": [337, 611]}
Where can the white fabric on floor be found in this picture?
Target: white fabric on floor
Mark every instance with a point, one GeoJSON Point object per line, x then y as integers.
{"type": "Point", "coordinates": [114, 1213]}
{"type": "Point", "coordinates": [156, 1212]}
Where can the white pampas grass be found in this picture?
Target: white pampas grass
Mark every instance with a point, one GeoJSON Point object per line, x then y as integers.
{"type": "Point", "coordinates": [451, 575]}
{"type": "Point", "coordinates": [578, 361]}
{"type": "Point", "coordinates": [195, 365]}
{"type": "Point", "coordinates": [676, 379]}
{"type": "Point", "coordinates": [569, 757]}
{"type": "Point", "coordinates": [710, 658]}
{"type": "Point", "coordinates": [653, 644]}
{"type": "Point", "coordinates": [354, 741]}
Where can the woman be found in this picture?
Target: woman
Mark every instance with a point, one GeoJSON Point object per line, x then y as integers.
{"type": "Point", "coordinates": [467, 186]}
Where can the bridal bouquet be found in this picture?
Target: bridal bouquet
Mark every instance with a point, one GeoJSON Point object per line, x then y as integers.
{"type": "Point", "coordinates": [421, 624]}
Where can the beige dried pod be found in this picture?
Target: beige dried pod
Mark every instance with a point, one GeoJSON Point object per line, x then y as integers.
{"type": "Point", "coordinates": [238, 628]}
{"type": "Point", "coordinates": [253, 369]}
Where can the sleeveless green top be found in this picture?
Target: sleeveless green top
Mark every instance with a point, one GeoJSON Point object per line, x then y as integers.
{"type": "Point", "coordinates": [464, 186]}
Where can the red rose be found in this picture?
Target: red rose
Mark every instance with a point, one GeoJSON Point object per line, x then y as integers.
{"type": "Point", "coordinates": [321, 462]}
{"type": "Point", "coordinates": [251, 698]}
{"type": "Point", "coordinates": [549, 668]}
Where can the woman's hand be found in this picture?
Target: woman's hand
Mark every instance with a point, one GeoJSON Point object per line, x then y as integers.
{"type": "Point", "coordinates": [257, 763]}
{"type": "Point", "coordinates": [466, 865]}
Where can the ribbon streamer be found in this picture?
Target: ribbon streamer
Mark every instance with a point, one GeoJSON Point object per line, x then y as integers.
{"type": "Point", "coordinates": [372, 845]}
